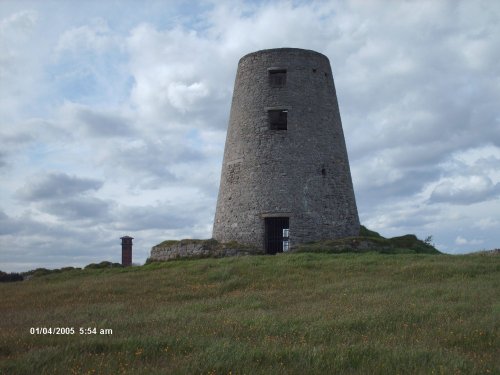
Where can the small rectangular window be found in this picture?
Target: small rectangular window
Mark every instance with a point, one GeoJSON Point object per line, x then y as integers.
{"type": "Point", "coordinates": [278, 119]}
{"type": "Point", "coordinates": [277, 77]}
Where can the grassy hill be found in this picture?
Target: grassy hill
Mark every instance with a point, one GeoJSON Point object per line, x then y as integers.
{"type": "Point", "coordinates": [298, 313]}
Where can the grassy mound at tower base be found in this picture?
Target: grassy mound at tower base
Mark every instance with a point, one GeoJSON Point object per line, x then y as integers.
{"type": "Point", "coordinates": [370, 241]}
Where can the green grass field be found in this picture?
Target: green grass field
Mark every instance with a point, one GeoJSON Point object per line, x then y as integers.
{"type": "Point", "coordinates": [306, 313]}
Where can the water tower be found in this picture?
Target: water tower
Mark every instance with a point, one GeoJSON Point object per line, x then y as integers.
{"type": "Point", "coordinates": [285, 175]}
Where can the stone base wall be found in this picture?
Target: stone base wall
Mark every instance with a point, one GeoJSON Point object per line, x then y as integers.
{"type": "Point", "coordinates": [186, 249]}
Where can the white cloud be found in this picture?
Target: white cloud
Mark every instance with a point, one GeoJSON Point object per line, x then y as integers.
{"type": "Point", "coordinates": [179, 76]}
{"type": "Point", "coordinates": [19, 71]}
{"type": "Point", "coordinates": [487, 223]}
{"type": "Point", "coordinates": [96, 37]}
{"type": "Point", "coordinates": [462, 241]}
{"type": "Point", "coordinates": [465, 190]}
{"type": "Point", "coordinates": [15, 30]}
{"type": "Point", "coordinates": [186, 96]}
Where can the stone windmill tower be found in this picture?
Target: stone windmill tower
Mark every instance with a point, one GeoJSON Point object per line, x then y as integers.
{"type": "Point", "coordinates": [285, 174]}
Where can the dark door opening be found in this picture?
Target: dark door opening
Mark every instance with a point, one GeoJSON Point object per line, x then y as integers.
{"type": "Point", "coordinates": [274, 239]}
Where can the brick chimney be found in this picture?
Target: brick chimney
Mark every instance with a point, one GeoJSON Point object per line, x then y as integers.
{"type": "Point", "coordinates": [126, 250]}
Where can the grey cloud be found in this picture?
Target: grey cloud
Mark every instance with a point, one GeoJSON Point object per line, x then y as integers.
{"type": "Point", "coordinates": [57, 186]}
{"type": "Point", "coordinates": [14, 138]}
{"type": "Point", "coordinates": [19, 138]}
{"type": "Point", "coordinates": [476, 189]}
{"type": "Point", "coordinates": [103, 124]}
{"type": "Point", "coordinates": [405, 217]}
{"type": "Point", "coordinates": [24, 225]}
{"type": "Point", "coordinates": [80, 208]}
{"type": "Point", "coordinates": [457, 99]}
{"type": "Point", "coordinates": [151, 162]}
{"type": "Point", "coordinates": [8, 225]}
{"type": "Point", "coordinates": [419, 156]}
{"type": "Point", "coordinates": [165, 217]}
{"type": "Point", "coordinates": [3, 158]}
{"type": "Point", "coordinates": [411, 182]}
{"type": "Point", "coordinates": [488, 163]}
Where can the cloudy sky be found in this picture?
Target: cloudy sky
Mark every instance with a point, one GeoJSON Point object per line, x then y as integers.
{"type": "Point", "coordinates": [113, 117]}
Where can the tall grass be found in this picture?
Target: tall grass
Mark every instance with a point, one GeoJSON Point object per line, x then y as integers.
{"type": "Point", "coordinates": [287, 314]}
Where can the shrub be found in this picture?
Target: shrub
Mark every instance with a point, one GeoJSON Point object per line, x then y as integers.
{"type": "Point", "coordinates": [365, 232]}
{"type": "Point", "coordinates": [40, 272]}
{"type": "Point", "coordinates": [103, 264]}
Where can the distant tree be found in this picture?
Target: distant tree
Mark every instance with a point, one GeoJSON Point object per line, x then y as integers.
{"type": "Point", "coordinates": [428, 241]}
{"type": "Point", "coordinates": [10, 277]}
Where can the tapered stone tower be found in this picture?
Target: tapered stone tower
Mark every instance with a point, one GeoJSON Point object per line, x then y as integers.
{"type": "Point", "coordinates": [285, 175]}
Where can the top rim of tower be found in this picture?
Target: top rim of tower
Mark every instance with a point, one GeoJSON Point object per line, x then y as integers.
{"type": "Point", "coordinates": [282, 49]}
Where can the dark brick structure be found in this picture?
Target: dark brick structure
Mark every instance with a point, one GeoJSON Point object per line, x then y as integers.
{"type": "Point", "coordinates": [126, 250]}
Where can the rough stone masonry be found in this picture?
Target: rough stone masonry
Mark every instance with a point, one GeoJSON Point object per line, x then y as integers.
{"type": "Point", "coordinates": [285, 175]}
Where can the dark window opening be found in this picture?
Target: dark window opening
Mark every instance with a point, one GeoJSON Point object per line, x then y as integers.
{"type": "Point", "coordinates": [276, 234]}
{"type": "Point", "coordinates": [323, 171]}
{"type": "Point", "coordinates": [326, 74]}
{"type": "Point", "coordinates": [278, 119]}
{"type": "Point", "coordinates": [277, 77]}
{"type": "Point", "coordinates": [314, 70]}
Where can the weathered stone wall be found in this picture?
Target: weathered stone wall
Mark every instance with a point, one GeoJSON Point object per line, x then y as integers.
{"type": "Point", "coordinates": [198, 249]}
{"type": "Point", "coordinates": [302, 172]}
